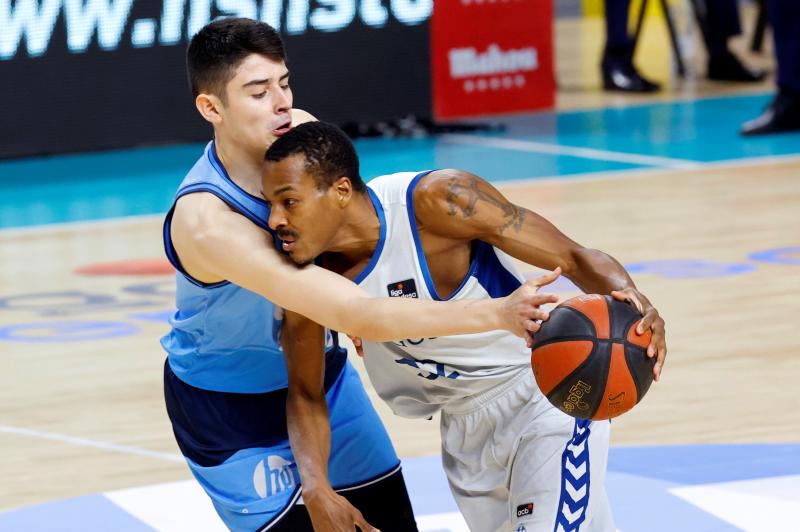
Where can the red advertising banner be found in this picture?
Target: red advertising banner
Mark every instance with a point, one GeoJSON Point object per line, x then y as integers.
{"type": "Point", "coordinates": [491, 56]}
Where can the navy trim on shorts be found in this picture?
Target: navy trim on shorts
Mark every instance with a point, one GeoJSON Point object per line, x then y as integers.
{"type": "Point", "coordinates": [363, 484]}
{"type": "Point", "coordinates": [211, 426]}
{"type": "Point", "coordinates": [280, 515]}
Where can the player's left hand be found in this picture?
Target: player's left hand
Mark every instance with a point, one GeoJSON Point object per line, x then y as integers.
{"type": "Point", "coordinates": [521, 309]}
{"type": "Point", "coordinates": [651, 320]}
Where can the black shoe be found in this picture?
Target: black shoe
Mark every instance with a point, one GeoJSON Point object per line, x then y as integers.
{"type": "Point", "coordinates": [782, 115]}
{"type": "Point", "coordinates": [727, 67]}
{"type": "Point", "coordinates": [624, 77]}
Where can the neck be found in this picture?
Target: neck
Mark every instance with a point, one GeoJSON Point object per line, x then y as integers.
{"type": "Point", "coordinates": [359, 234]}
{"type": "Point", "coordinates": [244, 166]}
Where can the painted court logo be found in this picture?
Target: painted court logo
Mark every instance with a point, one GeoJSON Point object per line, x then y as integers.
{"type": "Point", "coordinates": [407, 288]}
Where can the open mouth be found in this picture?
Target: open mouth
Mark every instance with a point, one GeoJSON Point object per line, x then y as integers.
{"type": "Point", "coordinates": [287, 245]}
{"type": "Point", "coordinates": [279, 131]}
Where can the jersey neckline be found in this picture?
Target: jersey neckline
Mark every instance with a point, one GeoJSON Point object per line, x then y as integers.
{"type": "Point", "coordinates": [423, 261]}
{"type": "Point", "coordinates": [376, 255]}
{"type": "Point", "coordinates": [213, 157]}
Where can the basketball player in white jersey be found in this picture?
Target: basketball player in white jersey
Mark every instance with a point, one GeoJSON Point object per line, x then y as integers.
{"type": "Point", "coordinates": [513, 461]}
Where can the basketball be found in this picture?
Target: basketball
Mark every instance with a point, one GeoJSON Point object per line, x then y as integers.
{"type": "Point", "coordinates": [588, 359]}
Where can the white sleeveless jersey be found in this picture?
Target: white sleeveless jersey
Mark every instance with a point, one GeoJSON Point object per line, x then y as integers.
{"type": "Point", "coordinates": [418, 376]}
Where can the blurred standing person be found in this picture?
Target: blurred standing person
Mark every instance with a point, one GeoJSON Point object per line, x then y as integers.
{"type": "Point", "coordinates": [723, 22]}
{"type": "Point", "coordinates": [783, 114]}
{"type": "Point", "coordinates": [619, 73]}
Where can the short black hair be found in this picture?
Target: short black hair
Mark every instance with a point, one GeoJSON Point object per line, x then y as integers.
{"type": "Point", "coordinates": [218, 48]}
{"type": "Point", "coordinates": [328, 151]}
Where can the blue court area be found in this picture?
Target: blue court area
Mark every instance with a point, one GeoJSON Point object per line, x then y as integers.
{"type": "Point", "coordinates": [702, 488]}
{"type": "Point", "coordinates": [666, 135]}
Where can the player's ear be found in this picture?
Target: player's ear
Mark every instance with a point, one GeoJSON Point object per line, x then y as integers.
{"type": "Point", "coordinates": [209, 106]}
{"type": "Point", "coordinates": [343, 188]}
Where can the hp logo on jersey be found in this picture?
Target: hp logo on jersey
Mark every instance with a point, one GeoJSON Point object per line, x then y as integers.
{"type": "Point", "coordinates": [278, 476]}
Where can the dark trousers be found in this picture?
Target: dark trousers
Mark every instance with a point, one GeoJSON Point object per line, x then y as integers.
{"type": "Point", "coordinates": [722, 23]}
{"type": "Point", "coordinates": [618, 41]}
{"type": "Point", "coordinates": [784, 15]}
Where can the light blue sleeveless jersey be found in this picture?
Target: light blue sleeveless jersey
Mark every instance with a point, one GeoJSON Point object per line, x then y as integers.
{"type": "Point", "coordinates": [225, 387]}
{"type": "Point", "coordinates": [224, 337]}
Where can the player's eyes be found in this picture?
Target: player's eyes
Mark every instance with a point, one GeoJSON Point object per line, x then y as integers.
{"type": "Point", "coordinates": [259, 95]}
{"type": "Point", "coordinates": [289, 202]}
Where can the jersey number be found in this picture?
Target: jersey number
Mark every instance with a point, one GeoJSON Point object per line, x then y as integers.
{"type": "Point", "coordinates": [431, 369]}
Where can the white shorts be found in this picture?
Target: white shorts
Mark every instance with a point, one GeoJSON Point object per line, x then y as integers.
{"type": "Point", "coordinates": [515, 463]}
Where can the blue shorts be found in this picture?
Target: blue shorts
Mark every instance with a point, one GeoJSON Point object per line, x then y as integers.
{"type": "Point", "coordinates": [237, 445]}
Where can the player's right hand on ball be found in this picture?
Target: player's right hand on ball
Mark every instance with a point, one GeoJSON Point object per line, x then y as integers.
{"type": "Point", "coordinates": [520, 310]}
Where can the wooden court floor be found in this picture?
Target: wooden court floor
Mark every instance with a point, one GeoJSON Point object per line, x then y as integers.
{"type": "Point", "coordinates": [80, 416]}
{"type": "Point", "coordinates": [84, 414]}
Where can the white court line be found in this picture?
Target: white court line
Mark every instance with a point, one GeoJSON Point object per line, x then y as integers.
{"type": "Point", "coordinates": [560, 149]}
{"type": "Point", "coordinates": [450, 522]}
{"type": "Point", "coordinates": [121, 221]}
{"type": "Point", "coordinates": [180, 506]}
{"type": "Point", "coordinates": [105, 446]}
{"type": "Point", "coordinates": [637, 173]}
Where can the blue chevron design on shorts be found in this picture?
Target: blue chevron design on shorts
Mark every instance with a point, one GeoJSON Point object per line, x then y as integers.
{"type": "Point", "coordinates": [574, 500]}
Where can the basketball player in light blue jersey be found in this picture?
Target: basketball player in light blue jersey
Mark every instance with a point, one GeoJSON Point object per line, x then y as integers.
{"type": "Point", "coordinates": [513, 461]}
{"type": "Point", "coordinates": [225, 378]}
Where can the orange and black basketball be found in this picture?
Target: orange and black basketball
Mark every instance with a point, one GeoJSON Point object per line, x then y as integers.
{"type": "Point", "coordinates": [588, 359]}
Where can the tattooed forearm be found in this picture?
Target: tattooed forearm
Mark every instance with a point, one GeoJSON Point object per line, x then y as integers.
{"type": "Point", "coordinates": [464, 194]}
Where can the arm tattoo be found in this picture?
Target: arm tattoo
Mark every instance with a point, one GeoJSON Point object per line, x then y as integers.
{"type": "Point", "coordinates": [463, 195]}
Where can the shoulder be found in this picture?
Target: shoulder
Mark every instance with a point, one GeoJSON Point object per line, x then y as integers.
{"type": "Point", "coordinates": [300, 117]}
{"type": "Point", "coordinates": [211, 239]}
{"type": "Point", "coordinates": [199, 206]}
{"type": "Point", "coordinates": [393, 188]}
{"type": "Point", "coordinates": [197, 214]}
{"type": "Point", "coordinates": [456, 204]}
{"type": "Point", "coordinates": [442, 186]}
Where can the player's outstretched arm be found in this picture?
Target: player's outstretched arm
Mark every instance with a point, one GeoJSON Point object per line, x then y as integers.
{"type": "Point", "coordinates": [225, 245]}
{"type": "Point", "coordinates": [457, 204]}
{"type": "Point", "coordinates": [309, 426]}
